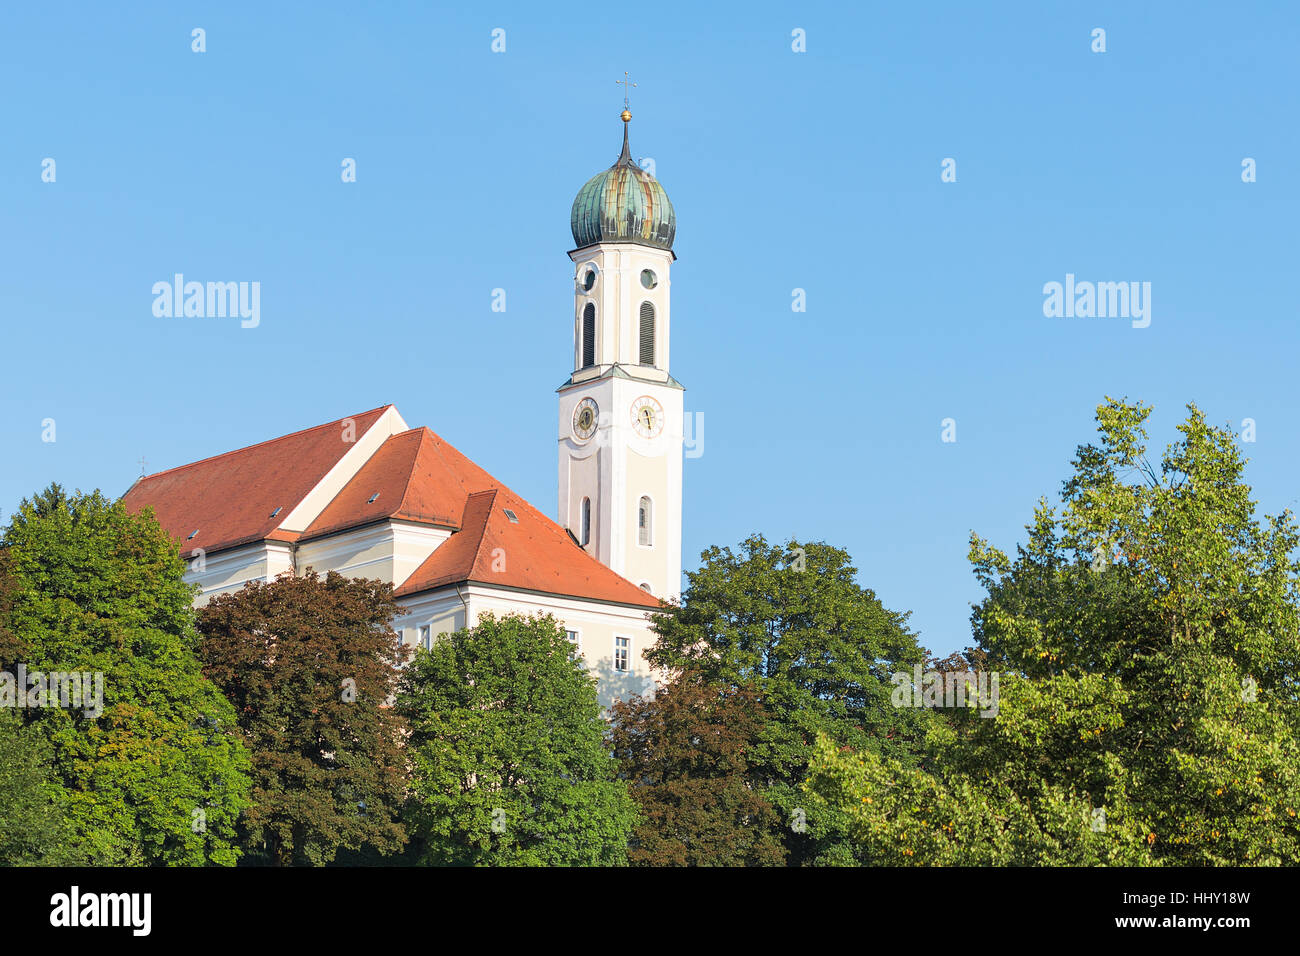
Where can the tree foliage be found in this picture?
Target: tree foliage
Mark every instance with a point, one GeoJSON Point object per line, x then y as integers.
{"type": "Point", "coordinates": [818, 650]}
{"type": "Point", "coordinates": [689, 755]}
{"type": "Point", "coordinates": [510, 766]}
{"type": "Point", "coordinates": [34, 825]}
{"type": "Point", "coordinates": [1148, 630]}
{"type": "Point", "coordinates": [310, 664]}
{"type": "Point", "coordinates": [159, 777]}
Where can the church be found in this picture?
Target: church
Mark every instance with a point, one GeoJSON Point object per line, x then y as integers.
{"type": "Point", "coordinates": [370, 496]}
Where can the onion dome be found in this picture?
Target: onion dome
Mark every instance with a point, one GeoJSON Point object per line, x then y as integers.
{"type": "Point", "coordinates": [623, 204]}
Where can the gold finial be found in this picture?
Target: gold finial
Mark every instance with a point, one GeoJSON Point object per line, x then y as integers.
{"type": "Point", "coordinates": [625, 83]}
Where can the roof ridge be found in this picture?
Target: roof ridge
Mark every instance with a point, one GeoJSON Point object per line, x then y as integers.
{"type": "Point", "coordinates": [260, 444]}
{"type": "Point", "coordinates": [410, 474]}
{"type": "Point", "coordinates": [466, 569]}
{"type": "Point", "coordinates": [487, 520]}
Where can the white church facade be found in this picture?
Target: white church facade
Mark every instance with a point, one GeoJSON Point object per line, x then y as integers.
{"type": "Point", "coordinates": [369, 496]}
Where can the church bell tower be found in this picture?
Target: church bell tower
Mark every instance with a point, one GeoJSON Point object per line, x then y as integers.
{"type": "Point", "coordinates": [620, 423]}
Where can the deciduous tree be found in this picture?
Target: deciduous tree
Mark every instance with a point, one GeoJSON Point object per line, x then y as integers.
{"type": "Point", "coordinates": [1148, 633]}
{"type": "Point", "coordinates": [310, 664]}
{"type": "Point", "coordinates": [160, 775]}
{"type": "Point", "coordinates": [690, 756]}
{"type": "Point", "coordinates": [507, 742]}
{"type": "Point", "coordinates": [819, 651]}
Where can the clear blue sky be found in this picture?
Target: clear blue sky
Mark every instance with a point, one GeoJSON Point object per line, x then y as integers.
{"type": "Point", "coordinates": [818, 170]}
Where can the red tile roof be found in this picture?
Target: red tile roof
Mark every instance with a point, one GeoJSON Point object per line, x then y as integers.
{"type": "Point", "coordinates": [230, 499]}
{"type": "Point", "coordinates": [436, 479]}
{"type": "Point", "coordinates": [532, 553]}
{"type": "Point", "coordinates": [417, 477]}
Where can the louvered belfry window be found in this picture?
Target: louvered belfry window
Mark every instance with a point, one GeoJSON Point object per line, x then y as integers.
{"type": "Point", "coordinates": [647, 334]}
{"type": "Point", "coordinates": [589, 336]}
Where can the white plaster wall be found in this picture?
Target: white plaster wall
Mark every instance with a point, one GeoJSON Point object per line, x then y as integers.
{"type": "Point", "coordinates": [230, 570]}
{"type": "Point", "coordinates": [618, 295]}
{"type": "Point", "coordinates": [597, 624]}
{"type": "Point", "coordinates": [386, 551]}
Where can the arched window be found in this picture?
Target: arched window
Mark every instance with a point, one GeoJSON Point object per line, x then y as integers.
{"type": "Point", "coordinates": [647, 334]}
{"type": "Point", "coordinates": [585, 537]}
{"type": "Point", "coordinates": [644, 520]}
{"type": "Point", "coordinates": [589, 335]}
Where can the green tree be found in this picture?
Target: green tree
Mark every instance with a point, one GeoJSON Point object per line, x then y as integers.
{"type": "Point", "coordinates": [34, 825]}
{"type": "Point", "coordinates": [688, 754]}
{"type": "Point", "coordinates": [507, 743]}
{"type": "Point", "coordinates": [310, 664]}
{"type": "Point", "coordinates": [159, 776]}
{"type": "Point", "coordinates": [819, 650]}
{"type": "Point", "coordinates": [1148, 634]}
{"type": "Point", "coordinates": [914, 816]}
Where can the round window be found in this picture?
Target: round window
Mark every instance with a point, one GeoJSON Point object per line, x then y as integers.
{"type": "Point", "coordinates": [589, 280]}
{"type": "Point", "coordinates": [649, 279]}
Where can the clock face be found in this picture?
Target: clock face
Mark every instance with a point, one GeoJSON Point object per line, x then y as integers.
{"type": "Point", "coordinates": [647, 417]}
{"type": "Point", "coordinates": [585, 418]}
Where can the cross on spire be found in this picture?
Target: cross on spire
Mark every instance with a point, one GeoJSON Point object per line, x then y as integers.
{"type": "Point", "coordinates": [625, 83]}
{"type": "Point", "coordinates": [143, 463]}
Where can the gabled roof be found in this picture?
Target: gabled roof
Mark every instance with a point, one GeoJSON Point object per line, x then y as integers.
{"type": "Point", "coordinates": [532, 553]}
{"type": "Point", "coordinates": [232, 499]}
{"type": "Point", "coordinates": [413, 475]}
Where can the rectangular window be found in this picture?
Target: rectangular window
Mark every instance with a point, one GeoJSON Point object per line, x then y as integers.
{"type": "Point", "coordinates": [589, 336]}
{"type": "Point", "coordinates": [576, 641]}
{"type": "Point", "coordinates": [644, 520]}
{"type": "Point", "coordinates": [622, 646]}
{"type": "Point", "coordinates": [426, 639]}
{"type": "Point", "coordinates": [647, 351]}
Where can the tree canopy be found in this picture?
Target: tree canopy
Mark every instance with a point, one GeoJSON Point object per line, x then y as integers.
{"type": "Point", "coordinates": [510, 765]}
{"type": "Point", "coordinates": [819, 651]}
{"type": "Point", "coordinates": [310, 664]}
{"type": "Point", "coordinates": [689, 755]}
{"type": "Point", "coordinates": [159, 776]}
{"type": "Point", "coordinates": [1147, 632]}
